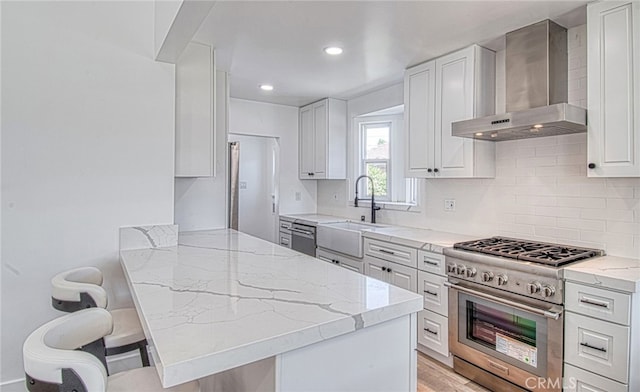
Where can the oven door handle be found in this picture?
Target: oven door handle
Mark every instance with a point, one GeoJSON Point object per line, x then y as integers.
{"type": "Point", "coordinates": [526, 308]}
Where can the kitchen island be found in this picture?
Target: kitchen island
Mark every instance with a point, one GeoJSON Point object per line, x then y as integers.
{"type": "Point", "coordinates": [259, 316]}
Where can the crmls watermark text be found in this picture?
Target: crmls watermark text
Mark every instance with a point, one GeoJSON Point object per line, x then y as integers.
{"type": "Point", "coordinates": [540, 383]}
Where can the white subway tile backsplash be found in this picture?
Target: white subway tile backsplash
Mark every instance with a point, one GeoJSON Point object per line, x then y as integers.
{"type": "Point", "coordinates": [623, 204]}
{"type": "Point", "coordinates": [560, 212]}
{"type": "Point", "coordinates": [582, 202]}
{"type": "Point", "coordinates": [534, 200]}
{"type": "Point", "coordinates": [623, 227]}
{"type": "Point", "coordinates": [555, 232]}
{"type": "Point", "coordinates": [607, 214]}
{"type": "Point", "coordinates": [535, 161]}
{"type": "Point", "coordinates": [536, 220]}
{"type": "Point", "coordinates": [582, 224]}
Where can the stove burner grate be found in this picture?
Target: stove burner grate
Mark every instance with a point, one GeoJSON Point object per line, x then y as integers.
{"type": "Point", "coordinates": [537, 252]}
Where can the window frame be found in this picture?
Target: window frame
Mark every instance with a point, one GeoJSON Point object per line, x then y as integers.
{"type": "Point", "coordinates": [411, 189]}
{"type": "Point", "coordinates": [363, 161]}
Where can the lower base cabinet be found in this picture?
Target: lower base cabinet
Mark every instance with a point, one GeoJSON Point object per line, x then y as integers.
{"type": "Point", "coordinates": [433, 332]}
{"type": "Point", "coordinates": [578, 380]}
{"type": "Point", "coordinates": [390, 272]}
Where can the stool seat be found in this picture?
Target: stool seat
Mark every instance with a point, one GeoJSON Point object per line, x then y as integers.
{"type": "Point", "coordinates": [145, 380]}
{"type": "Point", "coordinates": [126, 328]}
{"type": "Point", "coordinates": [81, 288]}
{"type": "Point", "coordinates": [53, 360]}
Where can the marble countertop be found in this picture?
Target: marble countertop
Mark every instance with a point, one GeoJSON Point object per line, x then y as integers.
{"type": "Point", "coordinates": [617, 273]}
{"type": "Point", "coordinates": [430, 240]}
{"type": "Point", "coordinates": [221, 299]}
{"type": "Point", "coordinates": [313, 219]}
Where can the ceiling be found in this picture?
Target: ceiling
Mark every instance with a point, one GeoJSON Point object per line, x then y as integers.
{"type": "Point", "coordinates": [281, 42]}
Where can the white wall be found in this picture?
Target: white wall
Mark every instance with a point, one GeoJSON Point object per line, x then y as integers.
{"type": "Point", "coordinates": [87, 147]}
{"type": "Point", "coordinates": [280, 121]}
{"type": "Point", "coordinates": [200, 203]}
{"type": "Point", "coordinates": [541, 190]}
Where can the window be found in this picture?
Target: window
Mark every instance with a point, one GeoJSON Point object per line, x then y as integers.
{"type": "Point", "coordinates": [379, 153]}
{"type": "Point", "coordinates": [375, 158]}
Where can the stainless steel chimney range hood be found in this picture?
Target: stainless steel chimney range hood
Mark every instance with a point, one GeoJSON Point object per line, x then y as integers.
{"type": "Point", "coordinates": [536, 90]}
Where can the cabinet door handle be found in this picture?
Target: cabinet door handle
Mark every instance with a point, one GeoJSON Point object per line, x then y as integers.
{"type": "Point", "coordinates": [594, 303]}
{"type": "Point", "coordinates": [388, 269]}
{"type": "Point", "coordinates": [431, 293]}
{"type": "Point", "coordinates": [384, 268]}
{"type": "Point", "coordinates": [587, 345]}
{"type": "Point", "coordinates": [386, 251]}
{"type": "Point", "coordinates": [431, 332]}
{"type": "Point", "coordinates": [431, 263]}
{"type": "Point", "coordinates": [436, 170]}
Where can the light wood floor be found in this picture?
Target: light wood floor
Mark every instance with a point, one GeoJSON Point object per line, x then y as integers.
{"type": "Point", "coordinates": [435, 377]}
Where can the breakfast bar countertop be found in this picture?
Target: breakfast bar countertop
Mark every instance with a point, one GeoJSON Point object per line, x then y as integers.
{"type": "Point", "coordinates": [222, 299]}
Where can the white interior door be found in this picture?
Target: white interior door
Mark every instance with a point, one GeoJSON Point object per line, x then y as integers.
{"type": "Point", "coordinates": [258, 186]}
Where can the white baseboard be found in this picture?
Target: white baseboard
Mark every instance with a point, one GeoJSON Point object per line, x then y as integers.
{"type": "Point", "coordinates": [116, 363]}
{"type": "Point", "coordinates": [448, 361]}
{"type": "Point", "coordinates": [13, 385]}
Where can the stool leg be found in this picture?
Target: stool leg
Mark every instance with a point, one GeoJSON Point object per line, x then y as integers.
{"type": "Point", "coordinates": [144, 355]}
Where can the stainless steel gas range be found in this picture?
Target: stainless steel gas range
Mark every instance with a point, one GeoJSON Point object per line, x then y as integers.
{"type": "Point", "coordinates": [508, 295]}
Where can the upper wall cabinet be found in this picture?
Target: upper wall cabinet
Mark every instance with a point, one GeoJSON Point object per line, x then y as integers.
{"type": "Point", "coordinates": [455, 87]}
{"type": "Point", "coordinates": [613, 64]}
{"type": "Point", "coordinates": [323, 140]}
{"type": "Point", "coordinates": [195, 112]}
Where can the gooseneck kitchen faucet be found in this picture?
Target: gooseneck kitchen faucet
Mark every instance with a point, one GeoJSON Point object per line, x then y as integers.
{"type": "Point", "coordinates": [374, 207]}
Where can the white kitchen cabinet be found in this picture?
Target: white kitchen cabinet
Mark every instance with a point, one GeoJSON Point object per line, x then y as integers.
{"type": "Point", "coordinates": [613, 89]}
{"type": "Point", "coordinates": [458, 86]}
{"type": "Point", "coordinates": [389, 251]}
{"type": "Point", "coordinates": [195, 86]}
{"type": "Point", "coordinates": [433, 332]}
{"type": "Point", "coordinates": [434, 292]}
{"type": "Point", "coordinates": [601, 337]}
{"type": "Point", "coordinates": [341, 260]}
{"type": "Point", "coordinates": [323, 140]}
{"type": "Point", "coordinates": [392, 273]}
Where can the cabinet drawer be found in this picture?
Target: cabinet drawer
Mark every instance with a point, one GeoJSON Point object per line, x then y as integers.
{"type": "Point", "coordinates": [599, 303]}
{"type": "Point", "coordinates": [597, 346]}
{"type": "Point", "coordinates": [285, 239]}
{"type": "Point", "coordinates": [391, 252]}
{"type": "Point", "coordinates": [285, 225]}
{"type": "Point", "coordinates": [436, 296]}
{"type": "Point", "coordinates": [342, 261]}
{"type": "Point", "coordinates": [431, 262]}
{"type": "Point", "coordinates": [578, 380]}
{"type": "Point", "coordinates": [433, 331]}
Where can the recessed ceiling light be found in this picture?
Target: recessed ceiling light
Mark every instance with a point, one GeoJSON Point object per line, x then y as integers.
{"type": "Point", "coordinates": [333, 50]}
{"type": "Point", "coordinates": [266, 87]}
{"type": "Point", "coordinates": [538, 126]}
{"type": "Point", "coordinates": [478, 133]}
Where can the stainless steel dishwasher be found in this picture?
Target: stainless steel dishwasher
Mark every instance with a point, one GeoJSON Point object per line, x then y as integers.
{"type": "Point", "coordinates": [303, 239]}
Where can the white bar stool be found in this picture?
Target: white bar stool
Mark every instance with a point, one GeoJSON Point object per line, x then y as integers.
{"type": "Point", "coordinates": [81, 288]}
{"type": "Point", "coordinates": [52, 361]}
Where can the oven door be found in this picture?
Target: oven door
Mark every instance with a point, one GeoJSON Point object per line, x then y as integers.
{"type": "Point", "coordinates": [510, 336]}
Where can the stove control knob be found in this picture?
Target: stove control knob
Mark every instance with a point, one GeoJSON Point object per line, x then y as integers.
{"type": "Point", "coordinates": [534, 287]}
{"type": "Point", "coordinates": [548, 291]}
{"type": "Point", "coordinates": [460, 269]}
{"type": "Point", "coordinates": [502, 279]}
{"type": "Point", "coordinates": [487, 276]}
{"type": "Point", "coordinates": [451, 268]}
{"type": "Point", "coordinates": [471, 272]}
